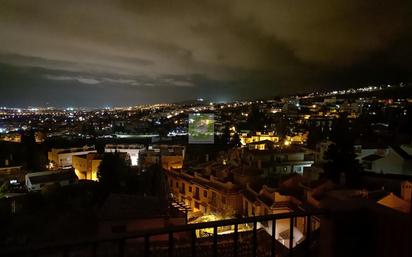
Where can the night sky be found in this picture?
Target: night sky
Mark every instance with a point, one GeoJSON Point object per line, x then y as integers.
{"type": "Point", "coordinates": [116, 53]}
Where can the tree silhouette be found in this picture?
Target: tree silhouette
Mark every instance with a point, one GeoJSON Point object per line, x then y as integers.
{"type": "Point", "coordinates": [340, 154]}
{"type": "Point", "coordinates": [236, 140]}
{"type": "Point", "coordinates": [155, 182]}
{"type": "Point", "coordinates": [315, 136]}
{"type": "Point", "coordinates": [255, 120]}
{"type": "Point", "coordinates": [225, 139]}
{"type": "Point", "coordinates": [35, 159]}
{"type": "Point", "coordinates": [115, 174]}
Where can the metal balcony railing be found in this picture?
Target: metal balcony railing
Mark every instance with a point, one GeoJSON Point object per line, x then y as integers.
{"type": "Point", "coordinates": [144, 242]}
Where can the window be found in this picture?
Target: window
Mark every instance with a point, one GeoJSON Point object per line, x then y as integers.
{"type": "Point", "coordinates": [223, 200]}
{"type": "Point", "coordinates": [177, 184]}
{"type": "Point", "coordinates": [196, 205]}
{"type": "Point", "coordinates": [190, 188]}
{"type": "Point", "coordinates": [205, 193]}
{"type": "Point", "coordinates": [196, 195]}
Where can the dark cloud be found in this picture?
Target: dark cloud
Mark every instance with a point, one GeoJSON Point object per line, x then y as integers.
{"type": "Point", "coordinates": [158, 50]}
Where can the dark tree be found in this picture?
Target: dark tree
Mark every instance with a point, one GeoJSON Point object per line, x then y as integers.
{"type": "Point", "coordinates": [256, 119]}
{"type": "Point", "coordinates": [115, 175]}
{"type": "Point", "coordinates": [225, 138]}
{"type": "Point", "coordinates": [88, 129]}
{"type": "Point", "coordinates": [236, 140]}
{"type": "Point", "coordinates": [282, 126]}
{"type": "Point", "coordinates": [341, 155]}
{"type": "Point", "coordinates": [155, 182]}
{"type": "Point", "coordinates": [35, 158]}
{"type": "Point", "coordinates": [315, 136]}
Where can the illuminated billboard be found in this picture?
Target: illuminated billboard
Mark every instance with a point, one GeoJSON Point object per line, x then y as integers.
{"type": "Point", "coordinates": [201, 128]}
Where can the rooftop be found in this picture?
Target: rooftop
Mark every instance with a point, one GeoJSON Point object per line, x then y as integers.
{"type": "Point", "coordinates": [49, 176]}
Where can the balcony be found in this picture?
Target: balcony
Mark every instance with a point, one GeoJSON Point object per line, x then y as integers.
{"type": "Point", "coordinates": [184, 241]}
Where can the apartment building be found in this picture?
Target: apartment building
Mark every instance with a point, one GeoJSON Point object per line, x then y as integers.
{"type": "Point", "coordinates": [246, 138]}
{"type": "Point", "coordinates": [278, 160]}
{"type": "Point", "coordinates": [205, 194]}
{"type": "Point", "coordinates": [168, 156]}
{"type": "Point", "coordinates": [61, 158]}
{"type": "Point", "coordinates": [86, 165]}
{"type": "Point", "coordinates": [133, 150]}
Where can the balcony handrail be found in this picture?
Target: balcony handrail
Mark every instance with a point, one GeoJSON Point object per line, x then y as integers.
{"type": "Point", "coordinates": [158, 231]}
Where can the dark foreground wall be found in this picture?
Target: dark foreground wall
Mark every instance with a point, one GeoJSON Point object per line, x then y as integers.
{"type": "Point", "coordinates": [362, 228]}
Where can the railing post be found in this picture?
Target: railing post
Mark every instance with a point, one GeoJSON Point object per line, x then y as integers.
{"type": "Point", "coordinates": [236, 241]}
{"type": "Point", "coordinates": [146, 246]}
{"type": "Point", "coordinates": [65, 254]}
{"type": "Point", "coordinates": [194, 243]}
{"type": "Point", "coordinates": [308, 231]}
{"type": "Point", "coordinates": [94, 249]}
{"type": "Point", "coordinates": [171, 245]}
{"type": "Point", "coordinates": [215, 241]}
{"type": "Point", "coordinates": [273, 241]}
{"type": "Point", "coordinates": [121, 243]}
{"type": "Point", "coordinates": [254, 254]}
{"type": "Point", "coordinates": [121, 247]}
{"type": "Point", "coordinates": [291, 237]}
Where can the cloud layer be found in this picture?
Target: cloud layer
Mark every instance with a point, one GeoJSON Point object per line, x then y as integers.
{"type": "Point", "coordinates": [274, 45]}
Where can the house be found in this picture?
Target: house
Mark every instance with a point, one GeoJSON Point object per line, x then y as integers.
{"type": "Point", "coordinates": [394, 202]}
{"type": "Point", "coordinates": [278, 161]}
{"type": "Point", "coordinates": [86, 165]}
{"type": "Point", "coordinates": [257, 137]}
{"type": "Point", "coordinates": [61, 158]}
{"type": "Point", "coordinates": [266, 201]}
{"type": "Point", "coordinates": [261, 145]}
{"type": "Point", "coordinates": [37, 180]}
{"type": "Point", "coordinates": [272, 201]}
{"type": "Point", "coordinates": [168, 156]}
{"type": "Point", "coordinates": [204, 194]}
{"type": "Point", "coordinates": [395, 160]}
{"type": "Point", "coordinates": [132, 150]}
